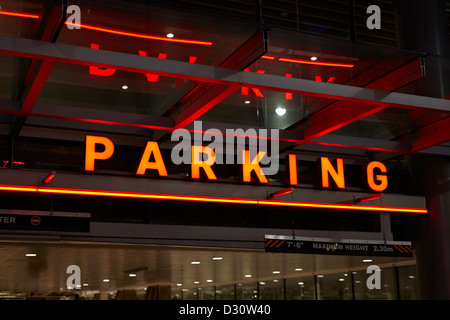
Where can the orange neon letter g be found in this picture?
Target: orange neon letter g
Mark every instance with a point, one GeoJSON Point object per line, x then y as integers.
{"type": "Point", "coordinates": [382, 179]}
{"type": "Point", "coordinates": [196, 163]}
{"type": "Point", "coordinates": [91, 155]}
{"type": "Point", "coordinates": [338, 176]}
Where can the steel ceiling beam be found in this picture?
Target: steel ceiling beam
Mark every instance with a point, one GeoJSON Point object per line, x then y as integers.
{"type": "Point", "coordinates": [177, 69]}
{"type": "Point", "coordinates": [341, 113]}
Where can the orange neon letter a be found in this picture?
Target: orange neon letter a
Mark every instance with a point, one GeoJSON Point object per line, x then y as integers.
{"type": "Point", "coordinates": [338, 176]}
{"type": "Point", "coordinates": [382, 179]}
{"type": "Point", "coordinates": [248, 167]}
{"type": "Point", "coordinates": [91, 155]}
{"type": "Point", "coordinates": [152, 148]}
{"type": "Point", "coordinates": [196, 163]}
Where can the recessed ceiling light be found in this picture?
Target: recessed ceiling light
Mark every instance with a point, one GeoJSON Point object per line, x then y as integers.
{"type": "Point", "coordinates": [313, 58]}
{"type": "Point", "coordinates": [30, 255]}
{"type": "Point", "coordinates": [195, 262]}
{"type": "Point", "coordinates": [301, 283]}
{"type": "Point", "coordinates": [262, 283]}
{"type": "Point", "coordinates": [85, 284]}
{"type": "Point", "coordinates": [209, 280]}
{"type": "Point", "coordinates": [78, 286]}
{"type": "Point", "coordinates": [298, 269]}
{"type": "Point", "coordinates": [217, 258]}
{"type": "Point", "coordinates": [105, 280]}
{"type": "Point", "coordinates": [248, 275]}
{"type": "Point", "coordinates": [170, 35]}
{"type": "Point", "coordinates": [341, 279]}
{"type": "Point", "coordinates": [247, 101]}
{"type": "Point", "coordinates": [276, 272]}
{"type": "Point", "coordinates": [280, 111]}
{"type": "Point", "coordinates": [320, 276]}
{"type": "Point", "coordinates": [132, 275]}
{"type": "Point", "coordinates": [276, 280]}
{"type": "Point", "coordinates": [179, 284]}
{"type": "Point", "coordinates": [196, 282]}
{"type": "Point", "coordinates": [124, 87]}
{"type": "Point", "coordinates": [367, 260]}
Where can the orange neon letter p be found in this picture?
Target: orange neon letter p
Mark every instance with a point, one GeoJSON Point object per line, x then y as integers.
{"type": "Point", "coordinates": [152, 148]}
{"type": "Point", "coordinates": [91, 155]}
{"type": "Point", "coordinates": [338, 176]}
{"type": "Point", "coordinates": [372, 180]}
{"type": "Point", "coordinates": [196, 163]}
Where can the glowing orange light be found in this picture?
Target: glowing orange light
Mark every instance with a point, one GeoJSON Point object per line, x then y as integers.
{"type": "Point", "coordinates": [91, 155]}
{"type": "Point", "coordinates": [19, 14]}
{"type": "Point", "coordinates": [248, 167]}
{"type": "Point", "coordinates": [140, 35]}
{"type": "Point", "coordinates": [327, 168]}
{"type": "Point", "coordinates": [382, 179]}
{"type": "Point", "coordinates": [318, 63]}
{"type": "Point", "coordinates": [292, 169]}
{"type": "Point", "coordinates": [152, 148]}
{"type": "Point", "coordinates": [197, 163]}
{"type": "Point", "coordinates": [268, 57]}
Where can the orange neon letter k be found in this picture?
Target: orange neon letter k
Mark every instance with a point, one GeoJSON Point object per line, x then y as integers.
{"type": "Point", "coordinates": [248, 167]}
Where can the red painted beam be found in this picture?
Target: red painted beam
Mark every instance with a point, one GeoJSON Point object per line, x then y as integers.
{"type": "Point", "coordinates": [34, 87]}
{"type": "Point", "coordinates": [431, 135]}
{"type": "Point", "coordinates": [342, 113]}
{"type": "Point", "coordinates": [205, 95]}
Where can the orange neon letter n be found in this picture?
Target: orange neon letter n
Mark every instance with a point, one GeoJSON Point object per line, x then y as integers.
{"type": "Point", "coordinates": [91, 155]}
{"type": "Point", "coordinates": [328, 169]}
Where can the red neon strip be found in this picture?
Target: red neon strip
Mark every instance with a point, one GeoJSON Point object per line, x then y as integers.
{"type": "Point", "coordinates": [282, 192]}
{"type": "Point", "coordinates": [318, 63]}
{"type": "Point", "coordinates": [49, 178]}
{"type": "Point", "coordinates": [19, 14]}
{"type": "Point", "coordinates": [137, 195]}
{"type": "Point", "coordinates": [371, 197]}
{"type": "Point", "coordinates": [140, 35]}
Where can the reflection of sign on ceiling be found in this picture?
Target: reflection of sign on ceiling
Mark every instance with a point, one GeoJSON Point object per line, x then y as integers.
{"type": "Point", "coordinates": [44, 221]}
{"type": "Point", "coordinates": [344, 247]}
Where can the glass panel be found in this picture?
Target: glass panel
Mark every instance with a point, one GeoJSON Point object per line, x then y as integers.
{"type": "Point", "coordinates": [407, 284]}
{"type": "Point", "coordinates": [387, 290]}
{"type": "Point", "coordinates": [190, 294]}
{"type": "Point", "coordinates": [80, 86]}
{"type": "Point", "coordinates": [207, 293]}
{"type": "Point", "coordinates": [271, 290]}
{"type": "Point", "coordinates": [20, 18]}
{"type": "Point", "coordinates": [157, 32]}
{"type": "Point", "coordinates": [225, 292]}
{"type": "Point", "coordinates": [334, 287]}
{"type": "Point", "coordinates": [300, 288]}
{"type": "Point", "coordinates": [247, 291]}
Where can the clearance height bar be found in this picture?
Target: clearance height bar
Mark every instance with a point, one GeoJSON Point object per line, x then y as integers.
{"type": "Point", "coordinates": [345, 247]}
{"type": "Point", "coordinates": [222, 200]}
